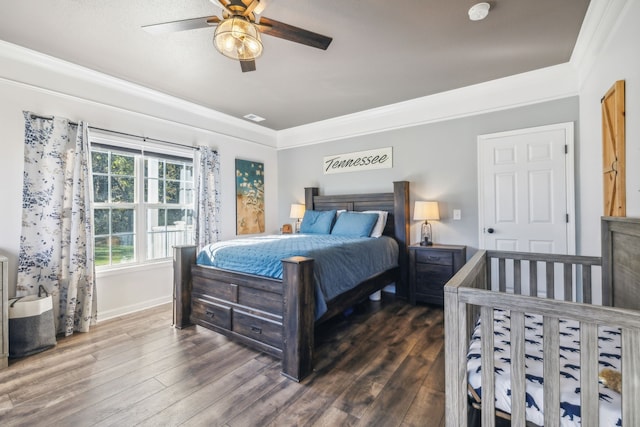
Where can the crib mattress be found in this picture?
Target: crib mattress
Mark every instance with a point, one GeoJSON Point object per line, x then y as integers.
{"type": "Point", "coordinates": [609, 357]}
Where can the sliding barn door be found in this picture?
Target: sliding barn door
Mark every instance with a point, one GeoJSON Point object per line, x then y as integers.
{"type": "Point", "coordinates": [613, 151]}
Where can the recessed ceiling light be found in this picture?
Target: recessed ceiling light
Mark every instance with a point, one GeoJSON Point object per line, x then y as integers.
{"type": "Point", "coordinates": [254, 118]}
{"type": "Point", "coordinates": [479, 11]}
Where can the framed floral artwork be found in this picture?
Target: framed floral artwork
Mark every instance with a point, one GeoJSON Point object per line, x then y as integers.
{"type": "Point", "coordinates": [249, 197]}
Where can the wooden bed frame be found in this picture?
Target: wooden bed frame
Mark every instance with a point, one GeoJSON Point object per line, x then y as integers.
{"type": "Point", "coordinates": [468, 294]}
{"type": "Point", "coordinates": [277, 316]}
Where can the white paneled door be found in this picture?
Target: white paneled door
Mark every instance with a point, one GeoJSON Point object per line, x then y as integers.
{"type": "Point", "coordinates": [526, 191]}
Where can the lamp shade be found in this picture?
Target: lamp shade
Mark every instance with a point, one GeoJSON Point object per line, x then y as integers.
{"type": "Point", "coordinates": [297, 211]}
{"type": "Point", "coordinates": [238, 38]}
{"type": "Point", "coordinates": [426, 211]}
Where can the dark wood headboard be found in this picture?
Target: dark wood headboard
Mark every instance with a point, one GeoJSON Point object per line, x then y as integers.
{"type": "Point", "coordinates": [396, 204]}
{"type": "Point", "coordinates": [621, 262]}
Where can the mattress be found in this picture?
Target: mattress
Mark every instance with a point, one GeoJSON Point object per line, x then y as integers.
{"type": "Point", "coordinates": [609, 357]}
{"type": "Point", "coordinates": [340, 263]}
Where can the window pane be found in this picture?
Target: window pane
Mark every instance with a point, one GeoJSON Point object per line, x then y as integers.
{"type": "Point", "coordinates": [100, 188]}
{"type": "Point", "coordinates": [122, 221]}
{"type": "Point", "coordinates": [122, 189]}
{"type": "Point", "coordinates": [101, 251]}
{"type": "Point", "coordinates": [167, 228]}
{"type": "Point", "coordinates": [122, 164]}
{"type": "Point", "coordinates": [173, 171]}
{"type": "Point", "coordinates": [99, 162]}
{"type": "Point", "coordinates": [176, 217]}
{"type": "Point", "coordinates": [101, 221]}
{"type": "Point", "coordinates": [172, 192]}
{"type": "Point", "coordinates": [122, 249]}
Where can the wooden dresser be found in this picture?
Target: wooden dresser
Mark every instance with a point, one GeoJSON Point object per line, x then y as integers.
{"type": "Point", "coordinates": [430, 267]}
{"type": "Point", "coordinates": [4, 315]}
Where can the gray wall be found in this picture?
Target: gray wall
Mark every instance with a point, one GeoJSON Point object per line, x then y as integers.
{"type": "Point", "coordinates": [439, 160]}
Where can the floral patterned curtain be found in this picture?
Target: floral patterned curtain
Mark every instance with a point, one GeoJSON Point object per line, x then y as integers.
{"type": "Point", "coordinates": [207, 196]}
{"type": "Point", "coordinates": [56, 245]}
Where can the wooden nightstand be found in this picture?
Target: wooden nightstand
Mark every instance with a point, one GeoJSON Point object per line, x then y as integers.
{"type": "Point", "coordinates": [430, 267]}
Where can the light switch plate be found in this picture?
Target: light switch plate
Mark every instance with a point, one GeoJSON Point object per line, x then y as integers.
{"type": "Point", "coordinates": [457, 214]}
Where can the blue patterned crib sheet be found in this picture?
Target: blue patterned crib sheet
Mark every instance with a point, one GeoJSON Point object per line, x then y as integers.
{"type": "Point", "coordinates": [609, 357]}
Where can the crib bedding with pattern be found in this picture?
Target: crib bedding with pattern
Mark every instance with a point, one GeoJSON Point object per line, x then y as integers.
{"type": "Point", "coordinates": [608, 357]}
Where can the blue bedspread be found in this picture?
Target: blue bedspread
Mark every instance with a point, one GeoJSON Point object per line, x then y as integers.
{"type": "Point", "coordinates": [340, 263]}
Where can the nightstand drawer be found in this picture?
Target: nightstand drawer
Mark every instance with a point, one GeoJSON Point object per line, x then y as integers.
{"type": "Point", "coordinates": [432, 274]}
{"type": "Point", "coordinates": [434, 257]}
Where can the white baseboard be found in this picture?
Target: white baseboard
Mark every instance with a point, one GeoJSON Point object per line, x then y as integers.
{"type": "Point", "coordinates": [110, 314]}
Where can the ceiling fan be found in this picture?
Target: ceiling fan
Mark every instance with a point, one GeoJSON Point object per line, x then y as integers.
{"type": "Point", "coordinates": [237, 34]}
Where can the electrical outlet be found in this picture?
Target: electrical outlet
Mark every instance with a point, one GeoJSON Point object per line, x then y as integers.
{"type": "Point", "coordinates": [457, 214]}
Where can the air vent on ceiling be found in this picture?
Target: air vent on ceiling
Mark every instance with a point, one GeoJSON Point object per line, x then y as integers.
{"type": "Point", "coordinates": [254, 118]}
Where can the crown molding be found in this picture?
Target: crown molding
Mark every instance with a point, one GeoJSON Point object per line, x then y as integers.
{"type": "Point", "coordinates": [47, 73]}
{"type": "Point", "coordinates": [599, 24]}
{"type": "Point", "coordinates": [533, 87]}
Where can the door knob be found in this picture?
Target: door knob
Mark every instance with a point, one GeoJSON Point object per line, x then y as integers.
{"type": "Point", "coordinates": [490, 230]}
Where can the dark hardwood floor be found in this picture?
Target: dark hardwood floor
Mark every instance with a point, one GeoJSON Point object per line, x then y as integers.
{"type": "Point", "coordinates": [381, 366]}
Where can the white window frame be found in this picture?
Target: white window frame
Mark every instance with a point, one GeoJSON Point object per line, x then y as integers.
{"type": "Point", "coordinates": [140, 206]}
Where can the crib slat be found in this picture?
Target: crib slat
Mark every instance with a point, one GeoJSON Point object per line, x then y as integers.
{"type": "Point", "coordinates": [551, 369]}
{"type": "Point", "coordinates": [517, 279]}
{"type": "Point", "coordinates": [464, 335]}
{"type": "Point", "coordinates": [589, 374]}
{"type": "Point", "coordinates": [518, 400]}
{"type": "Point", "coordinates": [487, 363]}
{"type": "Point", "coordinates": [630, 377]}
{"type": "Point", "coordinates": [586, 284]}
{"type": "Point", "coordinates": [533, 278]}
{"type": "Point", "coordinates": [568, 282]}
{"type": "Point", "coordinates": [502, 279]}
{"type": "Point", "coordinates": [550, 279]}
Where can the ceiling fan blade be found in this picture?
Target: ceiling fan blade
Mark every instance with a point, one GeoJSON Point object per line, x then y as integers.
{"type": "Point", "coordinates": [294, 34]}
{"type": "Point", "coordinates": [248, 65]}
{"type": "Point", "coordinates": [185, 24]}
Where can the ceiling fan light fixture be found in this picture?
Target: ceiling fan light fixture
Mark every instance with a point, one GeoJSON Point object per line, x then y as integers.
{"type": "Point", "coordinates": [238, 38]}
{"type": "Point", "coordinates": [479, 11]}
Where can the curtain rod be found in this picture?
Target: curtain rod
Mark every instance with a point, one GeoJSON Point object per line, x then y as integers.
{"type": "Point", "coordinates": [143, 138]}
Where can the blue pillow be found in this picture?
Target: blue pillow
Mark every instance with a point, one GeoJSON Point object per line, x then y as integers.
{"type": "Point", "coordinates": [354, 224]}
{"type": "Point", "coordinates": [317, 222]}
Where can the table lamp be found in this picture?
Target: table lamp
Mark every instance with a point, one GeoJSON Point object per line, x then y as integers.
{"type": "Point", "coordinates": [426, 211]}
{"type": "Point", "coordinates": [297, 212]}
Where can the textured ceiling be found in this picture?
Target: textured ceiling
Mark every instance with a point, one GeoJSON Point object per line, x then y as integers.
{"type": "Point", "coordinates": [382, 52]}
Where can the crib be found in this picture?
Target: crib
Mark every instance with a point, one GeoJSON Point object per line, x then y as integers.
{"type": "Point", "coordinates": [592, 291]}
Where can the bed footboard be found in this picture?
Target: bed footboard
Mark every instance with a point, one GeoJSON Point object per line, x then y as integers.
{"type": "Point", "coordinates": [469, 296]}
{"type": "Point", "coordinates": [269, 315]}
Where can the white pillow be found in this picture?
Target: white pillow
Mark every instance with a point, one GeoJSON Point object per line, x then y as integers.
{"type": "Point", "coordinates": [380, 224]}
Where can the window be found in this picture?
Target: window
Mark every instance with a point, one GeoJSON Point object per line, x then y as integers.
{"type": "Point", "coordinates": [143, 204]}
